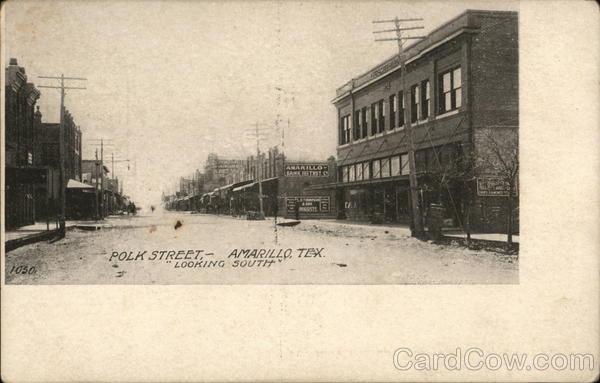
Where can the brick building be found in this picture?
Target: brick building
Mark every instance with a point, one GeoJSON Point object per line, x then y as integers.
{"type": "Point", "coordinates": [95, 175]}
{"type": "Point", "coordinates": [48, 156]}
{"type": "Point", "coordinates": [21, 173]}
{"type": "Point", "coordinates": [460, 100]}
{"type": "Point", "coordinates": [230, 186]}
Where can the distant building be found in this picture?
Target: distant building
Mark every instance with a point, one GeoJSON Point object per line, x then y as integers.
{"type": "Point", "coordinates": [460, 91]}
{"type": "Point", "coordinates": [48, 156]}
{"type": "Point", "coordinates": [21, 173]}
{"type": "Point", "coordinates": [96, 175]}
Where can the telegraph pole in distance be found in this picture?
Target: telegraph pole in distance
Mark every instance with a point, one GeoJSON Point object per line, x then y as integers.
{"type": "Point", "coordinates": [417, 230]}
{"type": "Point", "coordinates": [96, 187]}
{"type": "Point", "coordinates": [61, 144]}
{"type": "Point", "coordinates": [257, 133]}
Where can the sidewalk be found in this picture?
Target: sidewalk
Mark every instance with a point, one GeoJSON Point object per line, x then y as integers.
{"type": "Point", "coordinates": [40, 231]}
{"type": "Point", "coordinates": [494, 237]}
{"type": "Point", "coordinates": [365, 228]}
{"type": "Point", "coordinates": [29, 230]}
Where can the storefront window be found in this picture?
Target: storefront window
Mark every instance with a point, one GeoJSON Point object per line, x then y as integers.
{"type": "Point", "coordinates": [345, 174]}
{"type": "Point", "coordinates": [351, 173]}
{"type": "Point", "coordinates": [359, 172]}
{"type": "Point", "coordinates": [404, 167]}
{"type": "Point", "coordinates": [376, 169]}
{"type": "Point", "coordinates": [366, 171]}
{"type": "Point", "coordinates": [385, 167]}
{"type": "Point", "coordinates": [395, 166]}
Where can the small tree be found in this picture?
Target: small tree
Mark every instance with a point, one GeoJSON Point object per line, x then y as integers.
{"type": "Point", "coordinates": [457, 169]}
{"type": "Point", "coordinates": [498, 153]}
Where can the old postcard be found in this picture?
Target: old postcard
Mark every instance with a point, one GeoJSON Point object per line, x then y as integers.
{"type": "Point", "coordinates": [177, 173]}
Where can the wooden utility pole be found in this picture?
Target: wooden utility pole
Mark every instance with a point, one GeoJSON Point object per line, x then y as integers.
{"type": "Point", "coordinates": [417, 229]}
{"type": "Point", "coordinates": [102, 207]}
{"type": "Point", "coordinates": [256, 133]}
{"type": "Point", "coordinates": [258, 169]}
{"type": "Point", "coordinates": [97, 204]}
{"type": "Point", "coordinates": [61, 144]}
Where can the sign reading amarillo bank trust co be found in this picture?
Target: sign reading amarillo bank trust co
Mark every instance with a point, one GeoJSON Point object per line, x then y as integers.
{"type": "Point", "coordinates": [306, 170]}
{"type": "Point", "coordinates": [494, 186]}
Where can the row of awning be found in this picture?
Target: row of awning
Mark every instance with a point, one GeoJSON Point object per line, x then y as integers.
{"type": "Point", "coordinates": [234, 187]}
{"type": "Point", "coordinates": [247, 186]}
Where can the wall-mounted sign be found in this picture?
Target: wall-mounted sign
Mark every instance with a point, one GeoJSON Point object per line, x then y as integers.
{"type": "Point", "coordinates": [494, 187]}
{"type": "Point", "coordinates": [308, 204]}
{"type": "Point", "coordinates": [306, 170]}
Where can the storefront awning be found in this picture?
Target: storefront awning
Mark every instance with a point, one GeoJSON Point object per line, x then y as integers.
{"type": "Point", "coordinates": [340, 185]}
{"type": "Point", "coordinates": [240, 188]}
{"type": "Point", "coordinates": [74, 184]}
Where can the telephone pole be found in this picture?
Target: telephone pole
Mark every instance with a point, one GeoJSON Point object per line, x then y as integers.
{"type": "Point", "coordinates": [96, 187]}
{"type": "Point", "coordinates": [256, 133]}
{"type": "Point", "coordinates": [417, 227]}
{"type": "Point", "coordinates": [61, 144]}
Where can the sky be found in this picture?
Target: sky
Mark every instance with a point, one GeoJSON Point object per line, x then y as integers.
{"type": "Point", "coordinates": [169, 82]}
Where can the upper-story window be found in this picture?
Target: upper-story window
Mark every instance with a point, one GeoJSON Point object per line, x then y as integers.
{"type": "Point", "coordinates": [401, 107]}
{"type": "Point", "coordinates": [381, 118]}
{"type": "Point", "coordinates": [415, 104]}
{"type": "Point", "coordinates": [393, 110]}
{"type": "Point", "coordinates": [345, 130]}
{"type": "Point", "coordinates": [364, 125]}
{"type": "Point", "coordinates": [425, 99]}
{"type": "Point", "coordinates": [374, 115]}
{"type": "Point", "coordinates": [356, 125]}
{"type": "Point", "coordinates": [450, 90]}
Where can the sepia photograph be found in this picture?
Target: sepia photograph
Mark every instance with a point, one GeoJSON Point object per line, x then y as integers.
{"type": "Point", "coordinates": [208, 148]}
{"type": "Point", "coordinates": [299, 191]}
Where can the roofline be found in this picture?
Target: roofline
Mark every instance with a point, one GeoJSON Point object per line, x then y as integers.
{"type": "Point", "coordinates": [426, 49]}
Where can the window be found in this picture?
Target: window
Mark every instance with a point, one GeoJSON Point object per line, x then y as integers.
{"type": "Point", "coordinates": [385, 167]}
{"type": "Point", "coordinates": [425, 98]}
{"type": "Point", "coordinates": [404, 167]}
{"type": "Point", "coordinates": [364, 123]}
{"type": "Point", "coordinates": [393, 110]}
{"type": "Point", "coordinates": [374, 114]}
{"type": "Point", "coordinates": [450, 94]}
{"type": "Point", "coordinates": [359, 172]}
{"type": "Point", "coordinates": [345, 130]}
{"type": "Point", "coordinates": [366, 170]}
{"type": "Point", "coordinates": [381, 118]}
{"type": "Point", "coordinates": [356, 125]}
{"type": "Point", "coordinates": [376, 169]}
{"type": "Point", "coordinates": [401, 107]}
{"type": "Point", "coordinates": [395, 166]}
{"type": "Point", "coordinates": [415, 111]}
{"type": "Point", "coordinates": [345, 174]}
{"type": "Point", "coordinates": [351, 173]}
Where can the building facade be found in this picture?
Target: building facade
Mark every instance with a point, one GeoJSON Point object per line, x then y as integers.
{"type": "Point", "coordinates": [48, 156]}
{"type": "Point", "coordinates": [95, 175]}
{"type": "Point", "coordinates": [458, 100]}
{"type": "Point", "coordinates": [232, 187]}
{"type": "Point", "coordinates": [21, 173]}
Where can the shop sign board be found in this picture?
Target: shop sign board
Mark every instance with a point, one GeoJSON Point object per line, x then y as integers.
{"type": "Point", "coordinates": [317, 204]}
{"type": "Point", "coordinates": [306, 170]}
{"type": "Point", "coordinates": [494, 187]}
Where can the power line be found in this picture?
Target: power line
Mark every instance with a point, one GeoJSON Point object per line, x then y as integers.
{"type": "Point", "coordinates": [398, 28]}
{"type": "Point", "coordinates": [61, 144]}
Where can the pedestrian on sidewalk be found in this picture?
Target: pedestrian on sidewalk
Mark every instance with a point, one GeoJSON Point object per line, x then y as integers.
{"type": "Point", "coordinates": [297, 210]}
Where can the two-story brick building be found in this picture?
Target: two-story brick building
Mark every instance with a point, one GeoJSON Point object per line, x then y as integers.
{"type": "Point", "coordinates": [460, 99]}
{"type": "Point", "coordinates": [48, 156]}
{"type": "Point", "coordinates": [20, 121]}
